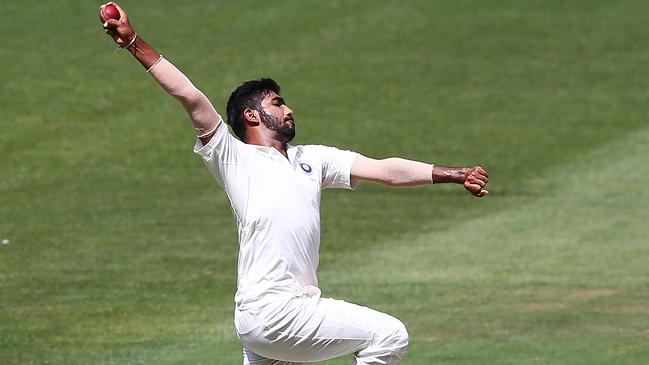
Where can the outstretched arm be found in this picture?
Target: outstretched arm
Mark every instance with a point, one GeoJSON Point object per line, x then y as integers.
{"type": "Point", "coordinates": [401, 172]}
{"type": "Point", "coordinates": [202, 113]}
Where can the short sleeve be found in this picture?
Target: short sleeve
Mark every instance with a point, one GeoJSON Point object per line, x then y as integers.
{"type": "Point", "coordinates": [336, 168]}
{"type": "Point", "coordinates": [222, 150]}
{"type": "Point", "coordinates": [222, 146]}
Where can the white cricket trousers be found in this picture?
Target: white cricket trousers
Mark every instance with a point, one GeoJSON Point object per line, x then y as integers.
{"type": "Point", "coordinates": [308, 328]}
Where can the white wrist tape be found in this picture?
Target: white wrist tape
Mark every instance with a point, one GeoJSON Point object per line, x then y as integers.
{"type": "Point", "coordinates": [154, 63]}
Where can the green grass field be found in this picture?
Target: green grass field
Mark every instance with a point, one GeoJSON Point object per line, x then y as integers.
{"type": "Point", "coordinates": [123, 249]}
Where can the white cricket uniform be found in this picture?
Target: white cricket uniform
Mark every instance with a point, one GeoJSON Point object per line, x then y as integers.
{"type": "Point", "coordinates": [280, 316]}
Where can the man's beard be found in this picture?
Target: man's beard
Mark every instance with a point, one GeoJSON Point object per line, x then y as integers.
{"type": "Point", "coordinates": [284, 129]}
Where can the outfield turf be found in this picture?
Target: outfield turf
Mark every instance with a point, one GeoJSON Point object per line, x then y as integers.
{"type": "Point", "coordinates": [123, 249]}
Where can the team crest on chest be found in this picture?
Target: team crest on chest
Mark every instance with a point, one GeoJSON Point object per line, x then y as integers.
{"type": "Point", "coordinates": [306, 167]}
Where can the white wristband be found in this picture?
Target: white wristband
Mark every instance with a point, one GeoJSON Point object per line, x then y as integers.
{"type": "Point", "coordinates": [154, 63]}
{"type": "Point", "coordinates": [130, 43]}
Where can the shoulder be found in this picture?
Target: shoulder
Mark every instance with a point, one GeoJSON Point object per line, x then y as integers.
{"type": "Point", "coordinates": [317, 149]}
{"type": "Point", "coordinates": [222, 144]}
{"type": "Point", "coordinates": [314, 152]}
{"type": "Point", "coordinates": [328, 156]}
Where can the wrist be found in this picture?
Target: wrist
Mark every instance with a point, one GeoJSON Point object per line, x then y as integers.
{"type": "Point", "coordinates": [131, 42]}
{"type": "Point", "coordinates": [137, 46]}
{"type": "Point", "coordinates": [129, 34]}
{"type": "Point", "coordinates": [442, 174]}
{"type": "Point", "coordinates": [463, 174]}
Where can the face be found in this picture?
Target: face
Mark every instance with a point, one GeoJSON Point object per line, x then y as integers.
{"type": "Point", "coordinates": [277, 116]}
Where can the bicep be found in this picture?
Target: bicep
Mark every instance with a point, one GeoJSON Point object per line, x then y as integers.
{"type": "Point", "coordinates": [198, 106]}
{"type": "Point", "coordinates": [201, 111]}
{"type": "Point", "coordinates": [391, 171]}
{"type": "Point", "coordinates": [366, 169]}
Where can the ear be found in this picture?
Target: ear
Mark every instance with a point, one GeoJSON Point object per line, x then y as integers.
{"type": "Point", "coordinates": [251, 116]}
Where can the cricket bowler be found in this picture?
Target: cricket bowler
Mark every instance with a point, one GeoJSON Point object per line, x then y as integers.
{"type": "Point", "coordinates": [274, 191]}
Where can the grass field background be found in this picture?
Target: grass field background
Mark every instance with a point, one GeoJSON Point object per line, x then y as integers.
{"type": "Point", "coordinates": [123, 249]}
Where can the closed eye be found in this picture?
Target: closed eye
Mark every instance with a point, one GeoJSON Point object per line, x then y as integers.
{"type": "Point", "coordinates": [278, 101]}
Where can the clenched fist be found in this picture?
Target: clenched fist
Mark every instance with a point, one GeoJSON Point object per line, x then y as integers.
{"type": "Point", "coordinates": [475, 181]}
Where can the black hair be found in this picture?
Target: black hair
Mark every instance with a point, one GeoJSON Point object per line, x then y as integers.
{"type": "Point", "coordinates": [248, 95]}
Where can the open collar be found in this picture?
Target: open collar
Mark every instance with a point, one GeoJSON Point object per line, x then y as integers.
{"type": "Point", "coordinates": [293, 153]}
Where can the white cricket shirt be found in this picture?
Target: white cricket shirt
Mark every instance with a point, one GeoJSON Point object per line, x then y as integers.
{"type": "Point", "coordinates": [276, 205]}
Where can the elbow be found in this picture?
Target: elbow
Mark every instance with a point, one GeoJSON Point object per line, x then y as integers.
{"type": "Point", "coordinates": [395, 183]}
{"type": "Point", "coordinates": [391, 181]}
{"type": "Point", "coordinates": [387, 174]}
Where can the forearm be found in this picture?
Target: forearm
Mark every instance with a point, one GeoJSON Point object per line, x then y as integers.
{"type": "Point", "coordinates": [442, 174]}
{"type": "Point", "coordinates": [144, 53]}
{"type": "Point", "coordinates": [392, 171]}
{"type": "Point", "coordinates": [402, 172]}
{"type": "Point", "coordinates": [201, 111]}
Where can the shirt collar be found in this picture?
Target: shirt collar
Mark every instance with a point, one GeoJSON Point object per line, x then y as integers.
{"type": "Point", "coordinates": [272, 153]}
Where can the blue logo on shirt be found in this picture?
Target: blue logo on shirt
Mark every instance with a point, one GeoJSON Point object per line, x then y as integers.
{"type": "Point", "coordinates": [306, 168]}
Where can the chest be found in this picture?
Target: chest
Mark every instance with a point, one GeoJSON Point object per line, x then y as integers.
{"type": "Point", "coordinates": [282, 176]}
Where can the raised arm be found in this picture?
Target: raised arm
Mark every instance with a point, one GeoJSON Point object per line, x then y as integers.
{"type": "Point", "coordinates": [401, 172]}
{"type": "Point", "coordinates": [171, 79]}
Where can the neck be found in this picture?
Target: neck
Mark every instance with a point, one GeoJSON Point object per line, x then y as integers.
{"type": "Point", "coordinates": [267, 141]}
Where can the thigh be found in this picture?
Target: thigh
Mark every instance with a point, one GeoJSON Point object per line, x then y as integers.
{"type": "Point", "coordinates": [312, 329]}
{"type": "Point", "coordinates": [251, 358]}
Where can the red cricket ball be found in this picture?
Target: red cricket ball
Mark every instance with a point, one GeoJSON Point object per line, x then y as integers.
{"type": "Point", "coordinates": [110, 12]}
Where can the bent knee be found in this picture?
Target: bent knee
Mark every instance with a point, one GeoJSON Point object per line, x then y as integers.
{"type": "Point", "coordinates": [394, 344]}
{"type": "Point", "coordinates": [401, 337]}
{"type": "Point", "coordinates": [396, 337]}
